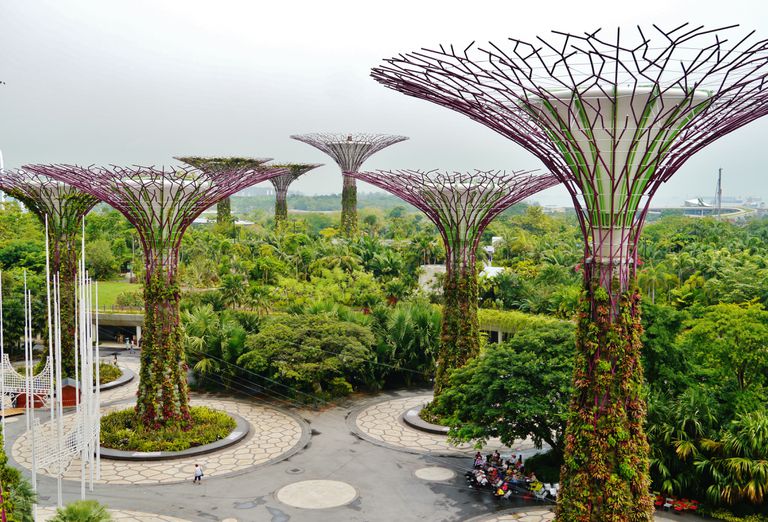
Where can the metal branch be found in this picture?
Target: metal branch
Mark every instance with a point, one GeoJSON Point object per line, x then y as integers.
{"type": "Point", "coordinates": [611, 118]}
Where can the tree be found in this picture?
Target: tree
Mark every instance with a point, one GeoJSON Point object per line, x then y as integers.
{"type": "Point", "coordinates": [100, 262]}
{"type": "Point", "coordinates": [732, 340]}
{"type": "Point", "coordinates": [514, 390]}
{"type": "Point", "coordinates": [738, 462]}
{"type": "Point", "coordinates": [312, 354]}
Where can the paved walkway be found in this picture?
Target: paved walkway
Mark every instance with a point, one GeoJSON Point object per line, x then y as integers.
{"type": "Point", "coordinates": [382, 423]}
{"type": "Point", "coordinates": [413, 483]}
{"type": "Point", "coordinates": [274, 435]}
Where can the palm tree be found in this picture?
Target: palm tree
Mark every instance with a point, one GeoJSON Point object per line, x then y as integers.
{"type": "Point", "coordinates": [738, 463]}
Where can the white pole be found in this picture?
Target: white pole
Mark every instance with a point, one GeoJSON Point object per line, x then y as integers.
{"type": "Point", "coordinates": [26, 353]}
{"type": "Point", "coordinates": [83, 363]}
{"type": "Point", "coordinates": [48, 300]}
{"type": "Point", "coordinates": [59, 396]}
{"type": "Point", "coordinates": [2, 360]}
{"type": "Point", "coordinates": [98, 386]}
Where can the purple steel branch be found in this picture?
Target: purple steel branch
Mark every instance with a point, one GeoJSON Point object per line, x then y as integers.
{"type": "Point", "coordinates": [460, 204]}
{"type": "Point", "coordinates": [611, 118]}
{"type": "Point", "coordinates": [349, 151]}
{"type": "Point", "coordinates": [295, 171]}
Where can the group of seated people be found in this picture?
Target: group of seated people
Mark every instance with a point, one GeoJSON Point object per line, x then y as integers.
{"type": "Point", "coordinates": [507, 477]}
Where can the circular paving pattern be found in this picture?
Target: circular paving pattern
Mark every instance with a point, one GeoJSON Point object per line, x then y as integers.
{"type": "Point", "coordinates": [382, 423]}
{"type": "Point", "coordinates": [274, 435]}
{"type": "Point", "coordinates": [316, 494]}
{"type": "Point", "coordinates": [434, 473]}
{"type": "Point", "coordinates": [118, 515]}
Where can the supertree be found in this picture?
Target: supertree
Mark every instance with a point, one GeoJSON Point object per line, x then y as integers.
{"type": "Point", "coordinates": [349, 151]}
{"type": "Point", "coordinates": [160, 203]}
{"type": "Point", "coordinates": [281, 184]}
{"type": "Point", "coordinates": [63, 206]}
{"type": "Point", "coordinates": [613, 118]}
{"type": "Point", "coordinates": [461, 205]}
{"type": "Point", "coordinates": [223, 207]}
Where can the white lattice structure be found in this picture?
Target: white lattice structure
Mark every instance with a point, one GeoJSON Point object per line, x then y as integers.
{"type": "Point", "coordinates": [15, 384]}
{"type": "Point", "coordinates": [49, 454]}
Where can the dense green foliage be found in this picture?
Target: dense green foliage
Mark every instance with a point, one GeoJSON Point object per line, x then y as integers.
{"type": "Point", "coordinates": [313, 354]}
{"type": "Point", "coordinates": [124, 430]}
{"type": "Point", "coordinates": [703, 282]}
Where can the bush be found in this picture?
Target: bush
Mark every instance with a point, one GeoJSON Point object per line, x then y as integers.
{"type": "Point", "coordinates": [130, 299]}
{"type": "Point", "coordinates": [121, 431]}
{"type": "Point", "coordinates": [108, 373]}
{"type": "Point", "coordinates": [82, 511]}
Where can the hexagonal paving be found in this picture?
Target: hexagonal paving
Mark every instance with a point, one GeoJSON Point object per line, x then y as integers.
{"type": "Point", "coordinates": [382, 422]}
{"type": "Point", "coordinates": [273, 434]}
{"type": "Point", "coordinates": [118, 515]}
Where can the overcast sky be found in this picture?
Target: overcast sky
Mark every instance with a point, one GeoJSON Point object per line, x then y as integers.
{"type": "Point", "coordinates": [139, 81]}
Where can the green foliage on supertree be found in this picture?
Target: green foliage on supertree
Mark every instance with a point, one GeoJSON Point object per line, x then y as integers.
{"type": "Point", "coordinates": [163, 395]}
{"type": "Point", "coordinates": [349, 208]}
{"type": "Point", "coordinates": [605, 475]}
{"type": "Point", "coordinates": [460, 335]}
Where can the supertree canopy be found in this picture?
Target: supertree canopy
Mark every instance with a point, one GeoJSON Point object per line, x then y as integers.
{"type": "Point", "coordinates": [161, 203]}
{"type": "Point", "coordinates": [63, 207]}
{"type": "Point", "coordinates": [223, 207]}
{"type": "Point", "coordinates": [349, 151]}
{"type": "Point", "coordinates": [461, 205]}
{"type": "Point", "coordinates": [613, 117]}
{"type": "Point", "coordinates": [281, 184]}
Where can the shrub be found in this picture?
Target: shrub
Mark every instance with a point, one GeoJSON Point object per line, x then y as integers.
{"type": "Point", "coordinates": [108, 373]}
{"type": "Point", "coordinates": [82, 511]}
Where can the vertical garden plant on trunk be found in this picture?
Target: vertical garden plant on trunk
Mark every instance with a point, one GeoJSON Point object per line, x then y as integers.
{"type": "Point", "coordinates": [349, 151]}
{"type": "Point", "coordinates": [460, 204]}
{"type": "Point", "coordinates": [63, 207]}
{"type": "Point", "coordinates": [613, 117]}
{"type": "Point", "coordinates": [161, 203]}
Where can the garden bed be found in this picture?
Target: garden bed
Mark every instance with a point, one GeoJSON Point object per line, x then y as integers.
{"type": "Point", "coordinates": [121, 431]}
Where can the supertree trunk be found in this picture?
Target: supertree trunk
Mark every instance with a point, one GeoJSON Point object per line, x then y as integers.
{"type": "Point", "coordinates": [281, 206]}
{"type": "Point", "coordinates": [605, 476]}
{"type": "Point", "coordinates": [224, 212]}
{"type": "Point", "coordinates": [349, 207]}
{"type": "Point", "coordinates": [460, 329]}
{"type": "Point", "coordinates": [64, 260]}
{"type": "Point", "coordinates": [163, 395]}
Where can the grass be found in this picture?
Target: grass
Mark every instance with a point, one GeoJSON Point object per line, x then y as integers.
{"type": "Point", "coordinates": [109, 290]}
{"type": "Point", "coordinates": [120, 430]}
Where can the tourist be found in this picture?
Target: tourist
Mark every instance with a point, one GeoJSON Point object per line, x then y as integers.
{"type": "Point", "coordinates": [198, 474]}
{"type": "Point", "coordinates": [479, 460]}
{"type": "Point", "coordinates": [496, 460]}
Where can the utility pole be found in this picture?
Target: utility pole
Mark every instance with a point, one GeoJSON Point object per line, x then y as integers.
{"type": "Point", "coordinates": [719, 192]}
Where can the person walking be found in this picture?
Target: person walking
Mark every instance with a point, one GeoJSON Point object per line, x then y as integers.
{"type": "Point", "coordinates": [198, 474]}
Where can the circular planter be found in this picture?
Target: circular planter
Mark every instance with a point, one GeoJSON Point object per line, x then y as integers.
{"type": "Point", "coordinates": [412, 419]}
{"type": "Point", "coordinates": [239, 433]}
{"type": "Point", "coordinates": [127, 376]}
